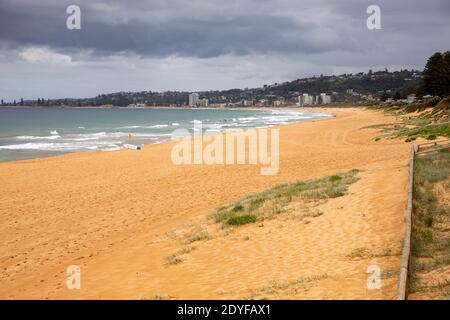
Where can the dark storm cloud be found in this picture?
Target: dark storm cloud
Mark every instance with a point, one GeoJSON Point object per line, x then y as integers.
{"type": "Point", "coordinates": [208, 32]}
{"type": "Point", "coordinates": [207, 28]}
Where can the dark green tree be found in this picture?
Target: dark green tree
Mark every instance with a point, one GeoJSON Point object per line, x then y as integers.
{"type": "Point", "coordinates": [433, 81]}
{"type": "Point", "coordinates": [447, 72]}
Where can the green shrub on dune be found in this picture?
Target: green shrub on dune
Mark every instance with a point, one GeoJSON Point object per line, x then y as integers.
{"type": "Point", "coordinates": [273, 201]}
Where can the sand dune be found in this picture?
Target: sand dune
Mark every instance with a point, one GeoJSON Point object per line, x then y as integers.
{"type": "Point", "coordinates": [119, 214]}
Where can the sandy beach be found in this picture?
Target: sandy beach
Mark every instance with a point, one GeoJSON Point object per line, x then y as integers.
{"type": "Point", "coordinates": [118, 215]}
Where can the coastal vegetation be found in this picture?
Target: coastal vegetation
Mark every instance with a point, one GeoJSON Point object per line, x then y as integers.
{"type": "Point", "coordinates": [300, 199]}
{"type": "Point", "coordinates": [197, 234]}
{"type": "Point", "coordinates": [276, 200]}
{"type": "Point", "coordinates": [436, 75]}
{"type": "Point", "coordinates": [177, 258]}
{"type": "Point", "coordinates": [429, 119]}
{"type": "Point", "coordinates": [434, 86]}
{"type": "Point", "coordinates": [430, 243]}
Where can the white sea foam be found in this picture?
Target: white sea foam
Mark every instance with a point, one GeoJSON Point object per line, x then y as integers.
{"type": "Point", "coordinates": [130, 127]}
{"type": "Point", "coordinates": [83, 139]}
{"type": "Point", "coordinates": [53, 137]}
{"type": "Point", "coordinates": [248, 118]}
{"type": "Point", "coordinates": [104, 136]}
{"type": "Point", "coordinates": [213, 126]}
{"type": "Point", "coordinates": [158, 126]}
{"type": "Point", "coordinates": [63, 147]}
{"type": "Point", "coordinates": [89, 136]}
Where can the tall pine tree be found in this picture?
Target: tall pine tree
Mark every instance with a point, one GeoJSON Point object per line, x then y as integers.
{"type": "Point", "coordinates": [447, 72]}
{"type": "Point", "coordinates": [434, 80]}
{"type": "Point", "coordinates": [432, 75]}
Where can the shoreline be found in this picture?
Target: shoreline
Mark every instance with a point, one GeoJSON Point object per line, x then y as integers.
{"type": "Point", "coordinates": [58, 154]}
{"type": "Point", "coordinates": [293, 107]}
{"type": "Point", "coordinates": [118, 215]}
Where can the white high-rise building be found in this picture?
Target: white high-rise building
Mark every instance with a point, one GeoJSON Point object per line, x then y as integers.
{"type": "Point", "coordinates": [203, 102]}
{"type": "Point", "coordinates": [325, 99]}
{"type": "Point", "coordinates": [194, 99]}
{"type": "Point", "coordinates": [305, 100]}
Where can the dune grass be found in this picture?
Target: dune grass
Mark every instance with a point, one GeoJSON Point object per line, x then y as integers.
{"type": "Point", "coordinates": [240, 220]}
{"type": "Point", "coordinates": [412, 128]}
{"type": "Point", "coordinates": [274, 201]}
{"type": "Point", "coordinates": [433, 121]}
{"type": "Point", "coordinates": [176, 257]}
{"type": "Point", "coordinates": [293, 286]}
{"type": "Point", "coordinates": [430, 243]}
{"type": "Point", "coordinates": [429, 131]}
{"type": "Point", "coordinates": [197, 234]}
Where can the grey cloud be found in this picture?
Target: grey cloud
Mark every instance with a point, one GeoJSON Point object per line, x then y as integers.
{"type": "Point", "coordinates": [181, 30]}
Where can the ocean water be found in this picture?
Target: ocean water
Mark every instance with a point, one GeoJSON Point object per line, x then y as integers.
{"type": "Point", "coordinates": [27, 133]}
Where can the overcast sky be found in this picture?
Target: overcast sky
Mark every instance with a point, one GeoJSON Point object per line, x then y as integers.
{"type": "Point", "coordinates": [197, 45]}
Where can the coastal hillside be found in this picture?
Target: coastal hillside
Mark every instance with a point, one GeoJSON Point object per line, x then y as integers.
{"type": "Point", "coordinates": [344, 87]}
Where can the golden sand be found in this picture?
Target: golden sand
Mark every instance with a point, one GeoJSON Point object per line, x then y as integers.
{"type": "Point", "coordinates": [118, 215]}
